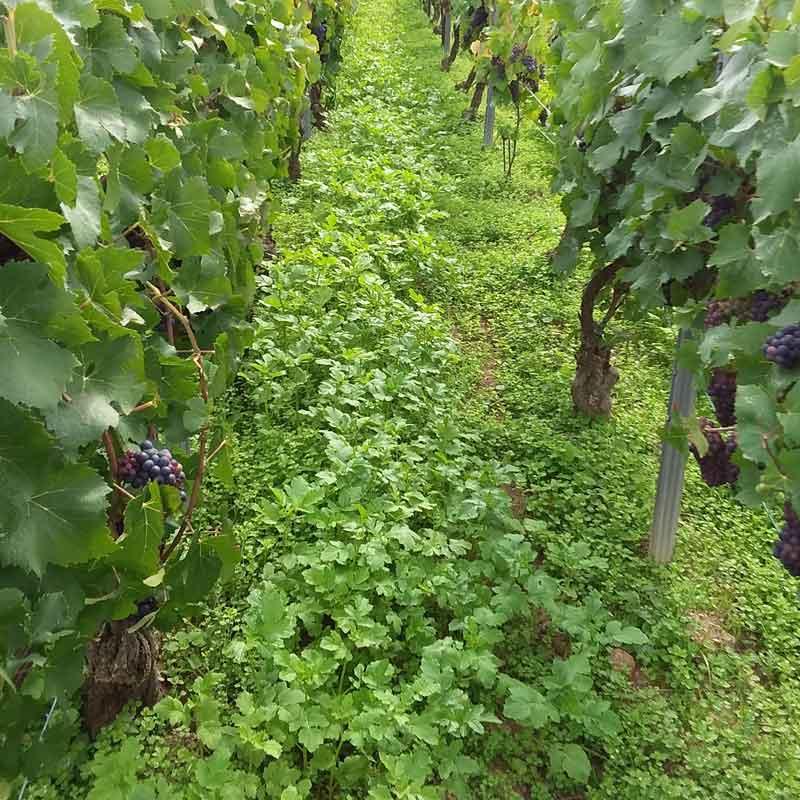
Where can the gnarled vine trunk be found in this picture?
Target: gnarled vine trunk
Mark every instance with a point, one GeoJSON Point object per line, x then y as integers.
{"type": "Point", "coordinates": [595, 376]}
{"type": "Point", "coordinates": [475, 104]}
{"type": "Point", "coordinates": [466, 84]}
{"type": "Point", "coordinates": [448, 60]}
{"type": "Point", "coordinates": [317, 108]}
{"type": "Point", "coordinates": [122, 667]}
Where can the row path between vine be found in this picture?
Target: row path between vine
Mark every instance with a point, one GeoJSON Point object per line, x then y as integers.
{"type": "Point", "coordinates": [709, 707]}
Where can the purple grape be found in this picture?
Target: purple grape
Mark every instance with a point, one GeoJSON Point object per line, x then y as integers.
{"type": "Point", "coordinates": [783, 347]}
{"type": "Point", "coordinates": [716, 467]}
{"type": "Point", "coordinates": [787, 548]}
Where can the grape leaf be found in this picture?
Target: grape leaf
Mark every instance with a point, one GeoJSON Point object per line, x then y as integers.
{"type": "Point", "coordinates": [686, 224]}
{"type": "Point", "coordinates": [36, 138]}
{"type": "Point", "coordinates": [20, 348]}
{"type": "Point", "coordinates": [98, 115]}
{"type": "Point", "coordinates": [112, 371]}
{"type": "Point", "coordinates": [778, 175]}
{"type": "Point", "coordinates": [189, 222]}
{"type": "Point", "coordinates": [50, 513]}
{"type": "Point", "coordinates": [676, 48]}
{"type": "Point", "coordinates": [22, 226]}
{"type": "Point", "coordinates": [30, 297]}
{"type": "Point", "coordinates": [144, 532]}
{"type": "Point", "coordinates": [8, 114]}
{"type": "Point", "coordinates": [84, 216]}
{"type": "Point", "coordinates": [65, 178]}
{"type": "Point", "coordinates": [112, 48]}
{"type": "Point", "coordinates": [162, 153]}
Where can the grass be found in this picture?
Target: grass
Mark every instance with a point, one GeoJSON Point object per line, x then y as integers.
{"type": "Point", "coordinates": [399, 188]}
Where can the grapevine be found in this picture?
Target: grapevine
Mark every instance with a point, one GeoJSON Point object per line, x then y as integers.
{"type": "Point", "coordinates": [675, 148]}
{"type": "Point", "coordinates": [139, 145]}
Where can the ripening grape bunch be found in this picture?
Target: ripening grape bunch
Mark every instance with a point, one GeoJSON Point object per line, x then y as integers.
{"type": "Point", "coordinates": [138, 468]}
{"type": "Point", "coordinates": [783, 347]}
{"type": "Point", "coordinates": [787, 548]}
{"type": "Point", "coordinates": [716, 466]}
{"type": "Point", "coordinates": [722, 391]}
{"type": "Point", "coordinates": [517, 51]}
{"type": "Point", "coordinates": [756, 307]}
{"type": "Point", "coordinates": [722, 207]}
{"type": "Point", "coordinates": [320, 31]}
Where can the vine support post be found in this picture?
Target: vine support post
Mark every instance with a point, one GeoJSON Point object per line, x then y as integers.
{"type": "Point", "coordinates": [673, 465]}
{"type": "Point", "coordinates": [446, 28]}
{"type": "Point", "coordinates": [306, 126]}
{"type": "Point", "coordinates": [488, 121]}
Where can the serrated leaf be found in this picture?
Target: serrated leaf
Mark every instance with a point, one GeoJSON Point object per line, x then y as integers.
{"type": "Point", "coordinates": [23, 226]}
{"type": "Point", "coordinates": [111, 46]}
{"type": "Point", "coordinates": [84, 216]}
{"type": "Point", "coordinates": [686, 224]}
{"type": "Point", "coordinates": [111, 374]}
{"type": "Point", "coordinates": [675, 48]}
{"type": "Point", "coordinates": [50, 513]}
{"type": "Point", "coordinates": [29, 296]}
{"type": "Point", "coordinates": [8, 114]}
{"type": "Point", "coordinates": [65, 178]}
{"type": "Point", "coordinates": [36, 138]}
{"type": "Point", "coordinates": [41, 387]}
{"type": "Point", "coordinates": [162, 153]}
{"type": "Point", "coordinates": [144, 531]}
{"type": "Point", "coordinates": [189, 219]}
{"type": "Point", "coordinates": [739, 10]}
{"type": "Point", "coordinates": [778, 175]}
{"type": "Point", "coordinates": [98, 115]}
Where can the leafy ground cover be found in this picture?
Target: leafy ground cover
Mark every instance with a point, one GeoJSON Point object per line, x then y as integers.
{"type": "Point", "coordinates": [391, 626]}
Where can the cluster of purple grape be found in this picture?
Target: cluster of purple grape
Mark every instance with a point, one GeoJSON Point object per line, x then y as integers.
{"type": "Point", "coordinates": [478, 21]}
{"type": "Point", "coordinates": [716, 466]}
{"type": "Point", "coordinates": [787, 548]}
{"type": "Point", "coordinates": [718, 312]}
{"type": "Point", "coordinates": [517, 51]}
{"type": "Point", "coordinates": [320, 30]}
{"type": "Point", "coordinates": [722, 391]}
{"type": "Point", "coordinates": [722, 207]}
{"type": "Point", "coordinates": [756, 307]}
{"type": "Point", "coordinates": [783, 347]}
{"type": "Point", "coordinates": [764, 304]}
{"type": "Point", "coordinates": [149, 463]}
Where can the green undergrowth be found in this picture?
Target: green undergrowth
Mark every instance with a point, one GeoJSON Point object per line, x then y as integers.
{"type": "Point", "coordinates": [392, 631]}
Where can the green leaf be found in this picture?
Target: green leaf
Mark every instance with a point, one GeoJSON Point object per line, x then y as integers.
{"type": "Point", "coordinates": [8, 114]}
{"type": "Point", "coordinates": [50, 513]}
{"type": "Point", "coordinates": [42, 386]}
{"type": "Point", "coordinates": [65, 178]}
{"type": "Point", "coordinates": [526, 705]}
{"type": "Point", "coordinates": [686, 224]}
{"type": "Point", "coordinates": [111, 374]}
{"type": "Point", "coordinates": [189, 219]}
{"type": "Point", "coordinates": [739, 10]}
{"type": "Point", "coordinates": [22, 226]}
{"type": "Point", "coordinates": [29, 296]}
{"type": "Point", "coordinates": [675, 48]}
{"type": "Point", "coordinates": [778, 178]}
{"type": "Point", "coordinates": [84, 217]}
{"type": "Point", "coordinates": [112, 48]}
{"type": "Point", "coordinates": [36, 138]}
{"type": "Point", "coordinates": [162, 153]}
{"type": "Point", "coordinates": [227, 551]}
{"type": "Point", "coordinates": [98, 115]}
{"type": "Point", "coordinates": [631, 635]}
{"type": "Point", "coordinates": [144, 532]}
{"type": "Point", "coordinates": [572, 760]}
